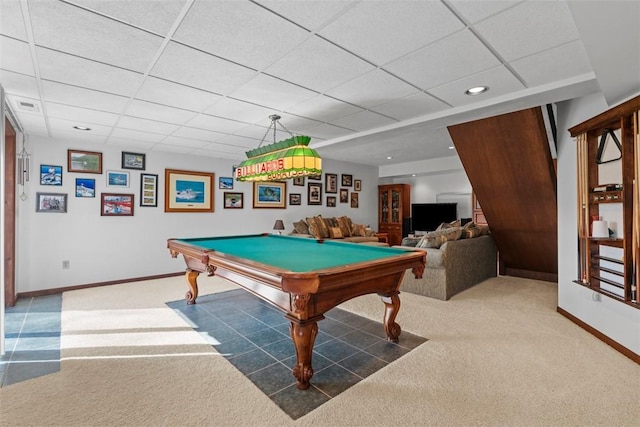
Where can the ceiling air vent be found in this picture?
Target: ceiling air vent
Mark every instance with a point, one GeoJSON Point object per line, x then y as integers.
{"type": "Point", "coordinates": [26, 105]}
{"type": "Point", "coordinates": [29, 106]}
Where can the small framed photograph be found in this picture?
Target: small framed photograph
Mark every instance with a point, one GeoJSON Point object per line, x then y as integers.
{"type": "Point", "coordinates": [295, 199]}
{"type": "Point", "coordinates": [85, 187]}
{"type": "Point", "coordinates": [233, 200]}
{"type": "Point", "coordinates": [188, 191]}
{"type": "Point", "coordinates": [117, 179]}
{"type": "Point", "coordinates": [314, 193]}
{"type": "Point", "coordinates": [354, 200]}
{"type": "Point", "coordinates": [113, 204]}
{"type": "Point", "coordinates": [299, 181]}
{"type": "Point", "coordinates": [347, 180]}
{"type": "Point", "coordinates": [225, 183]}
{"type": "Point", "coordinates": [50, 175]}
{"type": "Point", "coordinates": [344, 195]}
{"type": "Point", "coordinates": [270, 195]}
{"type": "Point", "coordinates": [51, 202]}
{"type": "Point", "coordinates": [84, 161]}
{"type": "Point", "coordinates": [331, 183]}
{"type": "Point", "coordinates": [133, 161]}
{"type": "Point", "coordinates": [357, 185]}
{"type": "Point", "coordinates": [148, 190]}
{"type": "Point", "coordinates": [331, 201]}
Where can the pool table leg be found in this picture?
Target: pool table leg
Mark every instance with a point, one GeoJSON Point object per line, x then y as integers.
{"type": "Point", "coordinates": [391, 308]}
{"type": "Point", "coordinates": [191, 276]}
{"type": "Point", "coordinates": [303, 334]}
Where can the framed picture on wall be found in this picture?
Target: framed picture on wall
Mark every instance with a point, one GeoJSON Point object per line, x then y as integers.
{"type": "Point", "coordinates": [50, 175]}
{"type": "Point", "coordinates": [51, 202]}
{"type": "Point", "coordinates": [299, 181]}
{"type": "Point", "coordinates": [331, 183]}
{"type": "Point", "coordinates": [270, 195]}
{"type": "Point", "coordinates": [148, 190]}
{"type": "Point", "coordinates": [225, 183]}
{"type": "Point", "coordinates": [344, 195]}
{"type": "Point", "coordinates": [233, 200]}
{"type": "Point", "coordinates": [85, 187]}
{"type": "Point", "coordinates": [84, 161]}
{"type": "Point", "coordinates": [295, 199]}
{"type": "Point", "coordinates": [357, 185]}
{"type": "Point", "coordinates": [347, 180]}
{"type": "Point", "coordinates": [314, 193]}
{"type": "Point", "coordinates": [117, 179]}
{"type": "Point", "coordinates": [133, 161]}
{"type": "Point", "coordinates": [188, 191]}
{"type": "Point", "coordinates": [331, 201]}
{"type": "Point", "coordinates": [354, 200]}
{"type": "Point", "coordinates": [114, 204]}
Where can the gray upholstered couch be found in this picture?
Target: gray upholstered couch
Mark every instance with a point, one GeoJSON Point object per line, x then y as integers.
{"type": "Point", "coordinates": [457, 265]}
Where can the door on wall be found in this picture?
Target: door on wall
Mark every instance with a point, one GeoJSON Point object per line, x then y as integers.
{"type": "Point", "coordinates": [10, 215]}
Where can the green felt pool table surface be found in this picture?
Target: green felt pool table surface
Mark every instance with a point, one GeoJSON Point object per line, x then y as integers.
{"type": "Point", "coordinates": [293, 253]}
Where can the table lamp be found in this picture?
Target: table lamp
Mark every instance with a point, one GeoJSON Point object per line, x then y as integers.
{"type": "Point", "coordinates": [278, 226]}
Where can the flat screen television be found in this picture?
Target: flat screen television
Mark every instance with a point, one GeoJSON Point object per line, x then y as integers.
{"type": "Point", "coordinates": [428, 216]}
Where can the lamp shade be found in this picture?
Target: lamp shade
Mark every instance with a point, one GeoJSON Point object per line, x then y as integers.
{"type": "Point", "coordinates": [278, 226]}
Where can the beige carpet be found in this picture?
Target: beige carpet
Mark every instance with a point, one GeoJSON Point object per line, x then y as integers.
{"type": "Point", "coordinates": [498, 355]}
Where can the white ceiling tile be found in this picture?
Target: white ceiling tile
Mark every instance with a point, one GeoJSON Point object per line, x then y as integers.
{"type": "Point", "coordinates": [81, 97]}
{"type": "Point", "coordinates": [173, 147]}
{"type": "Point", "coordinates": [310, 14]}
{"type": "Point", "coordinates": [318, 65]}
{"type": "Point", "coordinates": [152, 111]}
{"type": "Point", "coordinates": [323, 108]}
{"type": "Point", "coordinates": [153, 15]}
{"type": "Point", "coordinates": [297, 124]}
{"type": "Point", "coordinates": [131, 144]}
{"type": "Point", "coordinates": [364, 120]}
{"type": "Point", "coordinates": [258, 132]}
{"type": "Point", "coordinates": [528, 28]}
{"type": "Point", "coordinates": [241, 141]}
{"type": "Point", "coordinates": [76, 71]}
{"type": "Point", "coordinates": [168, 93]}
{"type": "Point", "coordinates": [16, 56]}
{"type": "Point", "coordinates": [135, 135]}
{"type": "Point", "coordinates": [77, 139]}
{"type": "Point", "coordinates": [19, 84]}
{"type": "Point", "coordinates": [227, 150]}
{"type": "Point", "coordinates": [239, 31]}
{"type": "Point", "coordinates": [199, 134]}
{"type": "Point", "coordinates": [136, 123]}
{"type": "Point", "coordinates": [383, 31]}
{"type": "Point", "coordinates": [326, 131]}
{"type": "Point", "coordinates": [360, 91]}
{"type": "Point", "coordinates": [240, 110]}
{"type": "Point", "coordinates": [474, 10]}
{"type": "Point", "coordinates": [91, 36]}
{"type": "Point", "coordinates": [419, 104]}
{"type": "Point", "coordinates": [66, 125]}
{"type": "Point", "coordinates": [200, 70]}
{"type": "Point", "coordinates": [85, 115]}
{"type": "Point", "coordinates": [217, 154]}
{"type": "Point", "coordinates": [183, 142]}
{"type": "Point", "coordinates": [435, 65]}
{"type": "Point", "coordinates": [217, 124]}
{"type": "Point", "coordinates": [272, 93]}
{"type": "Point", "coordinates": [11, 22]}
{"type": "Point", "coordinates": [554, 64]}
{"type": "Point", "coordinates": [500, 81]}
{"type": "Point", "coordinates": [33, 124]}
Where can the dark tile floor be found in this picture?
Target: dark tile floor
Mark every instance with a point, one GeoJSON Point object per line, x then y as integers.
{"type": "Point", "coordinates": [255, 338]}
{"type": "Point", "coordinates": [32, 339]}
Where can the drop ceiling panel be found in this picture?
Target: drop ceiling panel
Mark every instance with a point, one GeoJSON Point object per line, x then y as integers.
{"type": "Point", "coordinates": [323, 108]}
{"type": "Point", "coordinates": [240, 110]}
{"type": "Point", "coordinates": [19, 84]}
{"type": "Point", "coordinates": [272, 93]}
{"type": "Point", "coordinates": [239, 141]}
{"type": "Point", "coordinates": [76, 71]}
{"type": "Point", "coordinates": [318, 65]}
{"type": "Point", "coordinates": [474, 11]}
{"type": "Point", "coordinates": [311, 15]}
{"type": "Point", "coordinates": [216, 154]}
{"type": "Point", "coordinates": [131, 144]}
{"type": "Point", "coordinates": [200, 70]}
{"type": "Point", "coordinates": [363, 121]}
{"type": "Point", "coordinates": [500, 81]}
{"type": "Point", "coordinates": [182, 142]}
{"type": "Point", "coordinates": [16, 56]}
{"type": "Point", "coordinates": [326, 131]}
{"type": "Point", "coordinates": [383, 31]}
{"type": "Point", "coordinates": [358, 91]}
{"type": "Point", "coordinates": [84, 115]}
{"type": "Point", "coordinates": [242, 32]}
{"type": "Point", "coordinates": [153, 126]}
{"type": "Point", "coordinates": [529, 28]}
{"type": "Point", "coordinates": [151, 111]}
{"type": "Point", "coordinates": [174, 94]}
{"type": "Point", "coordinates": [135, 135]}
{"type": "Point", "coordinates": [199, 134]}
{"type": "Point", "coordinates": [569, 60]}
{"type": "Point", "coordinates": [33, 124]}
{"type": "Point", "coordinates": [77, 139]}
{"type": "Point", "coordinates": [81, 97]}
{"type": "Point", "coordinates": [435, 65]}
{"type": "Point", "coordinates": [11, 22]}
{"type": "Point", "coordinates": [416, 105]}
{"type": "Point", "coordinates": [217, 124]}
{"type": "Point", "coordinates": [153, 15]}
{"type": "Point", "coordinates": [65, 125]}
{"type": "Point", "coordinates": [90, 36]}
{"type": "Point", "coordinates": [173, 147]}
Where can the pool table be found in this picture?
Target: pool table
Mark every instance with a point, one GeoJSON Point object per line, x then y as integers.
{"type": "Point", "coordinates": [303, 277]}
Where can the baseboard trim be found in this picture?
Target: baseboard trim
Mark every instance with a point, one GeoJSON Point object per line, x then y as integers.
{"type": "Point", "coordinates": [602, 337]}
{"type": "Point", "coordinates": [528, 274]}
{"type": "Point", "coordinates": [93, 285]}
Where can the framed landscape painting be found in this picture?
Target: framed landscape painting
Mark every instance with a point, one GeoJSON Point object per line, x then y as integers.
{"type": "Point", "coordinates": [85, 187]}
{"type": "Point", "coordinates": [133, 161]}
{"type": "Point", "coordinates": [84, 161]}
{"type": "Point", "coordinates": [114, 204]}
{"type": "Point", "coordinates": [270, 195]}
{"type": "Point", "coordinates": [117, 179]}
{"type": "Point", "coordinates": [50, 175]}
{"type": "Point", "coordinates": [188, 191]}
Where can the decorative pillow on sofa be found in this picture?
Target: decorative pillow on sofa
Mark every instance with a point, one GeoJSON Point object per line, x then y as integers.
{"type": "Point", "coordinates": [471, 230]}
{"type": "Point", "coordinates": [335, 233]}
{"type": "Point", "coordinates": [301, 227]}
{"type": "Point", "coordinates": [344, 222]}
{"type": "Point", "coordinates": [446, 225]}
{"type": "Point", "coordinates": [359, 230]}
{"type": "Point", "coordinates": [317, 227]}
{"type": "Point", "coordinates": [330, 222]}
{"type": "Point", "coordinates": [435, 239]}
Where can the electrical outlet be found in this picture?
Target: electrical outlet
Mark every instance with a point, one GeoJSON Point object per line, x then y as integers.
{"type": "Point", "coordinates": [66, 265]}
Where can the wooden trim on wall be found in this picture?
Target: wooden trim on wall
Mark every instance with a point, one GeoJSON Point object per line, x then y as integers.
{"type": "Point", "coordinates": [94, 285]}
{"type": "Point", "coordinates": [602, 337]}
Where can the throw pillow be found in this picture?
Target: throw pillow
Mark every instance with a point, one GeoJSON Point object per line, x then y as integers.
{"type": "Point", "coordinates": [330, 222]}
{"type": "Point", "coordinates": [345, 225]}
{"type": "Point", "coordinates": [301, 227]}
{"type": "Point", "coordinates": [314, 230]}
{"type": "Point", "coordinates": [446, 225]}
{"type": "Point", "coordinates": [320, 226]}
{"type": "Point", "coordinates": [358, 230]}
{"type": "Point", "coordinates": [435, 239]}
{"type": "Point", "coordinates": [335, 233]}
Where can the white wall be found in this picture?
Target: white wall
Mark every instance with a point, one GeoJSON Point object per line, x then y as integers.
{"type": "Point", "coordinates": [103, 249]}
{"type": "Point", "coordinates": [614, 319]}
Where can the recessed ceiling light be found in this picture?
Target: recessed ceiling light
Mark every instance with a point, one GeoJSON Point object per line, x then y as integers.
{"type": "Point", "coordinates": [476, 90]}
{"type": "Point", "coordinates": [452, 148]}
{"type": "Point", "coordinates": [81, 128]}
{"type": "Point", "coordinates": [389, 157]}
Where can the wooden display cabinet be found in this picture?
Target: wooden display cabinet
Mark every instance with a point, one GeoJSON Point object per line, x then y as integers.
{"type": "Point", "coordinates": [394, 211]}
